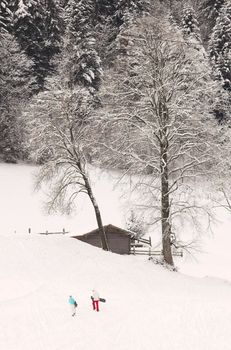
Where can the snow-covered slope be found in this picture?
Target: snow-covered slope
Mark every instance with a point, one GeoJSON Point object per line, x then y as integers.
{"type": "Point", "coordinates": [147, 307]}
{"type": "Point", "coordinates": [21, 209]}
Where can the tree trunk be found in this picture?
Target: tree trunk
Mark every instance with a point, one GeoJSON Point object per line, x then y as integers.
{"type": "Point", "coordinates": [165, 204]}
{"type": "Point", "coordinates": [102, 233]}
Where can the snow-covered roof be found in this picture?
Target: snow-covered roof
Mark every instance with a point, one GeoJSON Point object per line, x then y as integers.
{"type": "Point", "coordinates": [109, 229]}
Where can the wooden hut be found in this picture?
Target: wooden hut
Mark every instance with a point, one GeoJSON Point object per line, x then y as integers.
{"type": "Point", "coordinates": [119, 240]}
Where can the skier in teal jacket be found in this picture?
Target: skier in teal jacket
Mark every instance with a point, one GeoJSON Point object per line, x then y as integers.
{"type": "Point", "coordinates": [73, 305]}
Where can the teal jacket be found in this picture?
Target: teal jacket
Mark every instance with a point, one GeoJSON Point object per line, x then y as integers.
{"type": "Point", "coordinates": [71, 301]}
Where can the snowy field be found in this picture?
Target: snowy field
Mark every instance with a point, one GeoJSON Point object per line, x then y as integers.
{"type": "Point", "coordinates": [22, 207]}
{"type": "Point", "coordinates": [147, 307]}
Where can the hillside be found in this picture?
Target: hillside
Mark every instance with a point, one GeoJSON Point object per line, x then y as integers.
{"type": "Point", "coordinates": [22, 208]}
{"type": "Point", "coordinates": [146, 306]}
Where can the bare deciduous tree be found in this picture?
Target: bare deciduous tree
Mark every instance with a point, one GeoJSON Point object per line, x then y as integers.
{"type": "Point", "coordinates": [60, 139]}
{"type": "Point", "coordinates": [158, 119]}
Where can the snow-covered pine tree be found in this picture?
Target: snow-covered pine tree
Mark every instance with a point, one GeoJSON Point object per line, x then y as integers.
{"type": "Point", "coordinates": [79, 51]}
{"type": "Point", "coordinates": [53, 32]}
{"type": "Point", "coordinates": [220, 46]}
{"type": "Point", "coordinates": [190, 24]}
{"type": "Point", "coordinates": [122, 13]}
{"type": "Point", "coordinates": [28, 29]}
{"type": "Point", "coordinates": [63, 3]}
{"type": "Point", "coordinates": [127, 7]}
{"type": "Point", "coordinates": [208, 11]}
{"type": "Point", "coordinates": [133, 5]}
{"type": "Point", "coordinates": [105, 8]}
{"type": "Point", "coordinates": [211, 8]}
{"type": "Point", "coordinates": [192, 34]}
{"type": "Point", "coordinates": [16, 85]}
{"type": "Point", "coordinates": [135, 224]}
{"type": "Point", "coordinates": [36, 27]}
{"type": "Point", "coordinates": [5, 15]}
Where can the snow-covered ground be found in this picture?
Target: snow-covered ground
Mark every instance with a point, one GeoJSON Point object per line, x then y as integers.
{"type": "Point", "coordinates": [22, 207]}
{"type": "Point", "coordinates": [147, 307]}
